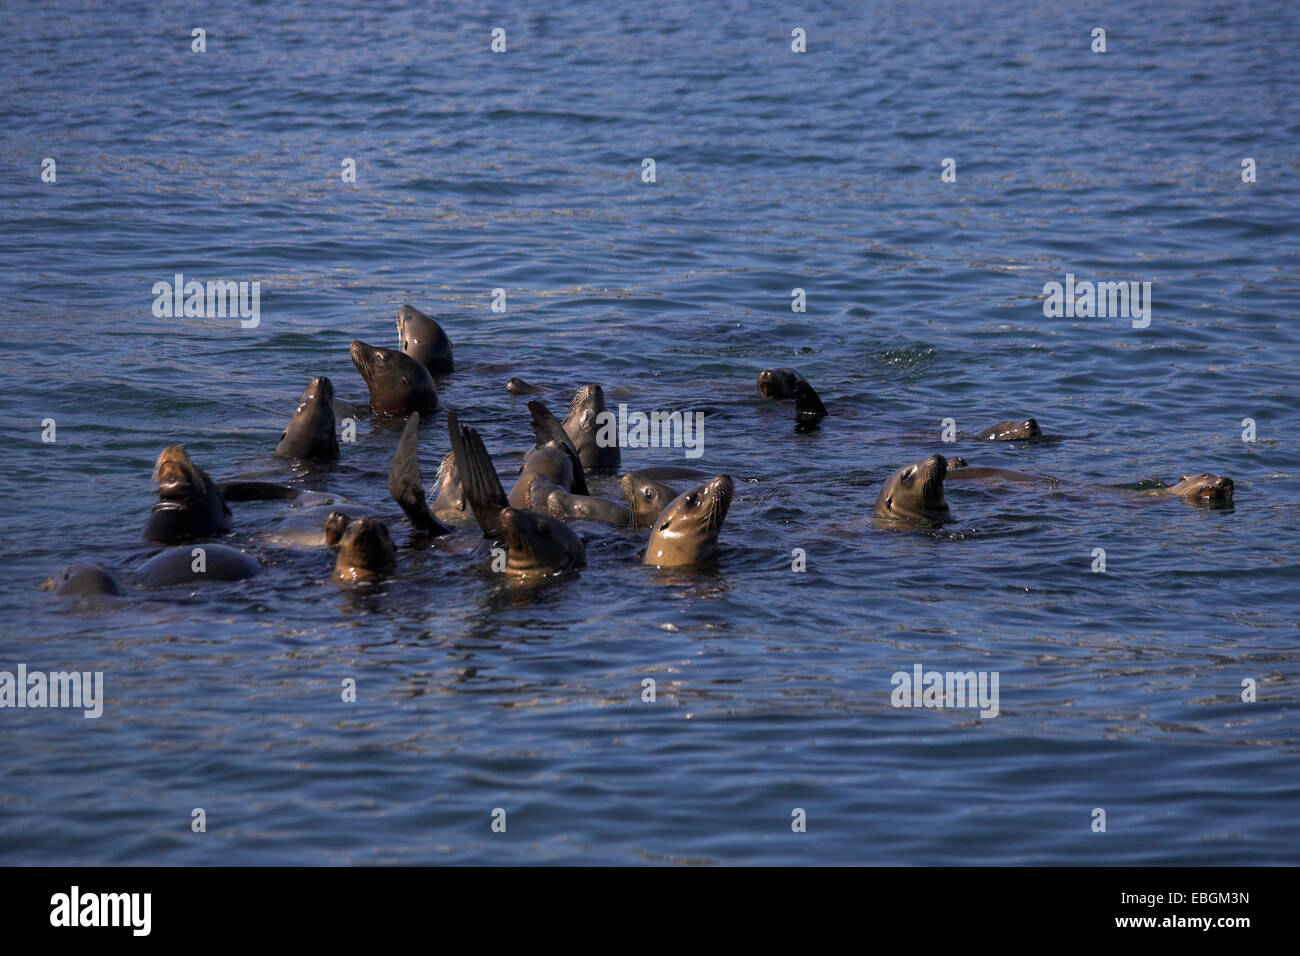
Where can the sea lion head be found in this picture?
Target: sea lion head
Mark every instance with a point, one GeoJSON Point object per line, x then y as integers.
{"type": "Point", "coordinates": [778, 383]}
{"type": "Point", "coordinates": [81, 580]}
{"type": "Point", "coordinates": [1204, 489]}
{"type": "Point", "coordinates": [646, 498]}
{"type": "Point", "coordinates": [686, 532]}
{"type": "Point", "coordinates": [539, 544]}
{"type": "Point", "coordinates": [365, 550]}
{"type": "Point", "coordinates": [398, 383]}
{"type": "Point", "coordinates": [914, 493]}
{"type": "Point", "coordinates": [189, 505]}
{"type": "Point", "coordinates": [179, 479]}
{"type": "Point", "coordinates": [311, 430]}
{"type": "Point", "coordinates": [587, 415]}
{"type": "Point", "coordinates": [517, 386]}
{"type": "Point", "coordinates": [421, 337]}
{"type": "Point", "coordinates": [335, 525]}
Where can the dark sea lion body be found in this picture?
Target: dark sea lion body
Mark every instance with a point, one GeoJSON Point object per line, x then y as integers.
{"type": "Point", "coordinates": [686, 533]}
{"type": "Point", "coordinates": [913, 495]}
{"type": "Point", "coordinates": [808, 407]}
{"type": "Point", "coordinates": [177, 566]}
{"type": "Point", "coordinates": [83, 580]}
{"type": "Point", "coordinates": [310, 435]}
{"type": "Point", "coordinates": [398, 383]}
{"type": "Point", "coordinates": [1010, 431]}
{"type": "Point", "coordinates": [190, 506]}
{"type": "Point", "coordinates": [365, 551]}
{"type": "Point", "coordinates": [422, 338]}
{"type": "Point", "coordinates": [587, 415]}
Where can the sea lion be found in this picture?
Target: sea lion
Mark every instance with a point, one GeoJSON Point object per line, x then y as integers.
{"type": "Point", "coordinates": [1204, 488]}
{"type": "Point", "coordinates": [422, 338]}
{"type": "Point", "coordinates": [914, 494]}
{"type": "Point", "coordinates": [310, 434]}
{"type": "Point", "coordinates": [365, 551]}
{"type": "Point", "coordinates": [200, 562]}
{"type": "Point", "coordinates": [687, 530]}
{"type": "Point", "coordinates": [554, 460]}
{"type": "Point", "coordinates": [587, 415]}
{"type": "Point", "coordinates": [83, 580]}
{"type": "Point", "coordinates": [1010, 431]}
{"type": "Point", "coordinates": [550, 464]}
{"type": "Point", "coordinates": [537, 545]}
{"type": "Point", "coordinates": [190, 506]}
{"type": "Point", "coordinates": [646, 497]}
{"type": "Point", "coordinates": [405, 485]}
{"type": "Point", "coordinates": [555, 501]}
{"type": "Point", "coordinates": [398, 383]}
{"type": "Point", "coordinates": [779, 383]}
{"type": "Point", "coordinates": [517, 386]}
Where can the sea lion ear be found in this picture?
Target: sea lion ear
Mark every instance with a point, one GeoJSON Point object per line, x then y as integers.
{"type": "Point", "coordinates": [283, 433]}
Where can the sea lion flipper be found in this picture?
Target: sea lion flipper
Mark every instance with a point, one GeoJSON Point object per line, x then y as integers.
{"type": "Point", "coordinates": [808, 406]}
{"type": "Point", "coordinates": [478, 476]}
{"type": "Point", "coordinates": [547, 429]}
{"type": "Point", "coordinates": [404, 484]}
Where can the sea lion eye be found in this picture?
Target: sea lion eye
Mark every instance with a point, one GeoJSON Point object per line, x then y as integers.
{"type": "Point", "coordinates": [907, 475]}
{"type": "Point", "coordinates": [648, 494]}
{"type": "Point", "coordinates": [889, 502]}
{"type": "Point", "coordinates": [693, 501]}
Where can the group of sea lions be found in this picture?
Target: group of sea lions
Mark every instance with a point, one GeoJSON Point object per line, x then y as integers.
{"type": "Point", "coordinates": [531, 522]}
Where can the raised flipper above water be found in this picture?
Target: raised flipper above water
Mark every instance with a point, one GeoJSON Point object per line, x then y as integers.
{"type": "Point", "coordinates": [404, 482]}
{"type": "Point", "coordinates": [478, 476]}
{"type": "Point", "coordinates": [808, 407]}
{"type": "Point", "coordinates": [537, 545]}
{"type": "Point", "coordinates": [549, 431]}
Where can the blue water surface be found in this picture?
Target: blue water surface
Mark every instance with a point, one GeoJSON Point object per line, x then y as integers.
{"type": "Point", "coordinates": [774, 171]}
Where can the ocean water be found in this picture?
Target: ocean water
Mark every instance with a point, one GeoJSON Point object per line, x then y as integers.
{"type": "Point", "coordinates": [774, 170]}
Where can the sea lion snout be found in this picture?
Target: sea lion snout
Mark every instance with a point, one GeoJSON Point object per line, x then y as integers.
{"type": "Point", "coordinates": [320, 388]}
{"type": "Point", "coordinates": [362, 355]}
